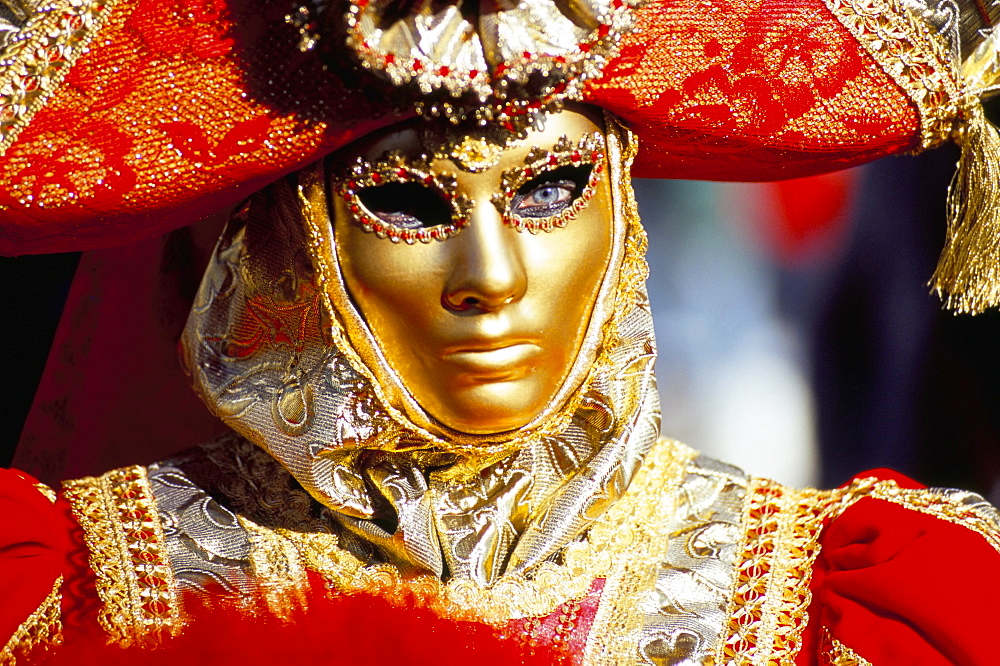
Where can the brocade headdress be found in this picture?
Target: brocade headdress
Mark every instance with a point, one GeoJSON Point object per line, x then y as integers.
{"type": "Point", "coordinates": [122, 119]}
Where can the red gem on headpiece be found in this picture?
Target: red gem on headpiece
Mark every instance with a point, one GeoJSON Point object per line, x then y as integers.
{"type": "Point", "coordinates": [444, 70]}
{"type": "Point", "coordinates": [390, 58]}
{"type": "Point", "coordinates": [377, 177]}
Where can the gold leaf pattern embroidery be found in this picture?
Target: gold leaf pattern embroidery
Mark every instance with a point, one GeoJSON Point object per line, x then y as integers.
{"type": "Point", "coordinates": [128, 555]}
{"type": "Point", "coordinates": [40, 631]}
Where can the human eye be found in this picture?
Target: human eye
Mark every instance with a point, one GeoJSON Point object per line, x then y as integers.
{"type": "Point", "coordinates": [546, 199]}
{"type": "Point", "coordinates": [552, 193]}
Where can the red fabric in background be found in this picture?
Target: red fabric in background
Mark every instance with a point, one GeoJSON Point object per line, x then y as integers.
{"type": "Point", "coordinates": [811, 217]}
{"type": "Point", "coordinates": [33, 546]}
{"type": "Point", "coordinates": [113, 392]}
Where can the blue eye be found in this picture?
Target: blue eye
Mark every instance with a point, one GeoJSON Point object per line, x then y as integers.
{"type": "Point", "coordinates": [550, 193]}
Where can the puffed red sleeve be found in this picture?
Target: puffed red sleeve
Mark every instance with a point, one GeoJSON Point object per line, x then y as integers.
{"type": "Point", "coordinates": [33, 545]}
{"type": "Point", "coordinates": [903, 586]}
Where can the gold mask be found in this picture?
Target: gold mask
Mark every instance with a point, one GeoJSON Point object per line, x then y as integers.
{"type": "Point", "coordinates": [483, 319]}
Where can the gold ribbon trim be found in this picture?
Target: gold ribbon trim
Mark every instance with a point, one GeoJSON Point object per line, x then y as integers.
{"type": "Point", "coordinates": [122, 530]}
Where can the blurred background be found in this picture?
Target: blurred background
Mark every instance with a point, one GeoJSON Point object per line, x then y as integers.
{"type": "Point", "coordinates": [797, 336]}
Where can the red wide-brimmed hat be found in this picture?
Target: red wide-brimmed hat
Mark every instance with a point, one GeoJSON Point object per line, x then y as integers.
{"type": "Point", "coordinates": [123, 119]}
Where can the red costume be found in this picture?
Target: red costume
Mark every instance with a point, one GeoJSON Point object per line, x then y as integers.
{"type": "Point", "coordinates": [345, 523]}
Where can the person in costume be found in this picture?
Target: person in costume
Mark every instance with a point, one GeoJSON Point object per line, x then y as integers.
{"type": "Point", "coordinates": [434, 348]}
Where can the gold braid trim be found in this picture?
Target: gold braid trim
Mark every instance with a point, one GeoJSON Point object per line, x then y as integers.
{"type": "Point", "coordinates": [943, 506]}
{"type": "Point", "coordinates": [39, 632]}
{"type": "Point", "coordinates": [835, 653]}
{"type": "Point", "coordinates": [40, 54]}
{"type": "Point", "coordinates": [768, 610]}
{"type": "Point", "coordinates": [121, 527]}
{"type": "Point", "coordinates": [914, 56]}
{"type": "Point", "coordinates": [619, 545]}
{"type": "Point", "coordinates": [769, 607]}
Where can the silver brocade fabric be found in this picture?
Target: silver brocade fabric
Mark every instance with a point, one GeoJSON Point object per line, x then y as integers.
{"type": "Point", "coordinates": [683, 607]}
{"type": "Point", "coordinates": [964, 24]}
{"type": "Point", "coordinates": [686, 610]}
{"type": "Point", "coordinates": [267, 351]}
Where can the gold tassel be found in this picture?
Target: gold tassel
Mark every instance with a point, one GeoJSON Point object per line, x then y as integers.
{"type": "Point", "coordinates": [967, 276]}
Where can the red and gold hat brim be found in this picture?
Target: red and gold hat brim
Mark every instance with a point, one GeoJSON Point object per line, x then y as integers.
{"type": "Point", "coordinates": [133, 117]}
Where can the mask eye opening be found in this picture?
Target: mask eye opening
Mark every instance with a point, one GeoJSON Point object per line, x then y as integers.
{"type": "Point", "coordinates": [403, 203]}
{"type": "Point", "coordinates": [575, 168]}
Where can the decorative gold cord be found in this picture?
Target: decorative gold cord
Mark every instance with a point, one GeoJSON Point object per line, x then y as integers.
{"type": "Point", "coordinates": [39, 632]}
{"type": "Point", "coordinates": [835, 653]}
{"type": "Point", "coordinates": [967, 276]}
{"type": "Point", "coordinates": [122, 530]}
